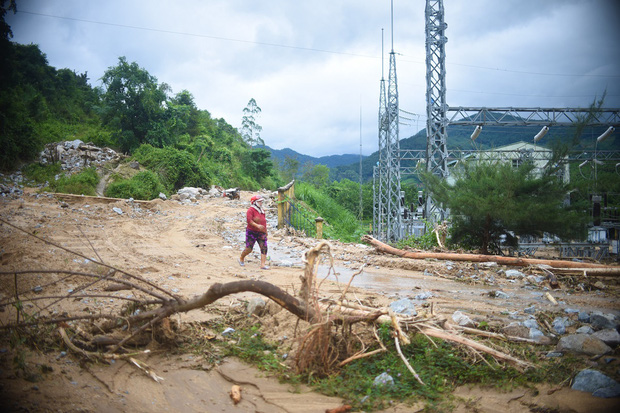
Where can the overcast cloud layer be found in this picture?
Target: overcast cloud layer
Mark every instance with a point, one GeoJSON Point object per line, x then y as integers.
{"type": "Point", "coordinates": [312, 65]}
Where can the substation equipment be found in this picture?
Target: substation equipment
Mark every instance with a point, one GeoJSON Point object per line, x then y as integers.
{"type": "Point", "coordinates": [392, 219]}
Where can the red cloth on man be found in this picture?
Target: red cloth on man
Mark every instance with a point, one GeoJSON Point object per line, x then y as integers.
{"type": "Point", "coordinates": [254, 216]}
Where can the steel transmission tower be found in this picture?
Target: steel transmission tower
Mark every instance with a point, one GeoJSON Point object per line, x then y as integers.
{"type": "Point", "coordinates": [436, 106]}
{"type": "Point", "coordinates": [389, 224]}
{"type": "Point", "coordinates": [387, 217]}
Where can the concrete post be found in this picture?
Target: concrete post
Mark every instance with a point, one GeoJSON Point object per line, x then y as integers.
{"type": "Point", "coordinates": [319, 227]}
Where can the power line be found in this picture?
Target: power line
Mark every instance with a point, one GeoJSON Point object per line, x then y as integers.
{"type": "Point", "coordinates": [205, 36]}
{"type": "Point", "coordinates": [310, 49]}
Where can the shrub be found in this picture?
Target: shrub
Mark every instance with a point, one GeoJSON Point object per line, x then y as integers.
{"type": "Point", "coordinates": [176, 169]}
{"type": "Point", "coordinates": [40, 173]}
{"type": "Point", "coordinates": [83, 183]}
{"type": "Point", "coordinates": [426, 241]}
{"type": "Point", "coordinates": [145, 185]}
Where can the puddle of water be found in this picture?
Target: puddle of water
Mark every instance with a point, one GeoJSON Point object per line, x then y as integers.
{"type": "Point", "coordinates": [372, 280]}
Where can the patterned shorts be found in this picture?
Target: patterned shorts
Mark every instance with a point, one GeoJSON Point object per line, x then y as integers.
{"type": "Point", "coordinates": [252, 236]}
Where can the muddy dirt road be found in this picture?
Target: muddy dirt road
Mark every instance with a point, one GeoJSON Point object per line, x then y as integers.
{"type": "Point", "coordinates": [185, 248]}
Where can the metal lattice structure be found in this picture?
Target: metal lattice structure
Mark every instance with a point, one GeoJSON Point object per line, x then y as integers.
{"type": "Point", "coordinates": [380, 201]}
{"type": "Point", "coordinates": [388, 221]}
{"type": "Point", "coordinates": [387, 216]}
{"type": "Point", "coordinates": [475, 116]}
{"type": "Point", "coordinates": [436, 106]}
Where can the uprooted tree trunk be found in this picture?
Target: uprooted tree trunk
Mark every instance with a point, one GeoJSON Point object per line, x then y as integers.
{"type": "Point", "coordinates": [322, 347]}
{"type": "Point", "coordinates": [515, 261]}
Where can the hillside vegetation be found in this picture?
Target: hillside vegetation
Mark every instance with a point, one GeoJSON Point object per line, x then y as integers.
{"type": "Point", "coordinates": [132, 113]}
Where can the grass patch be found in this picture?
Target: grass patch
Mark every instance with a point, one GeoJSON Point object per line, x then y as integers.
{"type": "Point", "coordinates": [249, 345]}
{"type": "Point", "coordinates": [342, 224]}
{"type": "Point", "coordinates": [442, 366]}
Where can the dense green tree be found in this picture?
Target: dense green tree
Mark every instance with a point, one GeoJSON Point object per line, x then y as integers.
{"type": "Point", "coordinates": [317, 175]}
{"type": "Point", "coordinates": [257, 163]}
{"type": "Point", "coordinates": [347, 194]}
{"type": "Point", "coordinates": [133, 105]}
{"type": "Point", "coordinates": [39, 104]}
{"type": "Point", "coordinates": [250, 129]}
{"type": "Point", "coordinates": [289, 168]}
{"type": "Point", "coordinates": [489, 201]}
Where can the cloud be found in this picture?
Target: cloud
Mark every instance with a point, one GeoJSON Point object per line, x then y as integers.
{"type": "Point", "coordinates": [311, 66]}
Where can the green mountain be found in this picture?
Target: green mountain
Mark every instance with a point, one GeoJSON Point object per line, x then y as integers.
{"type": "Point", "coordinates": [459, 137]}
{"type": "Point", "coordinates": [331, 161]}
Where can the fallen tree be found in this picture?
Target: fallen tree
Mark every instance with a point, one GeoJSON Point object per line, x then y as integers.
{"type": "Point", "coordinates": [515, 261]}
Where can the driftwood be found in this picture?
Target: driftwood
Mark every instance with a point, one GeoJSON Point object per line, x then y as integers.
{"type": "Point", "coordinates": [444, 335]}
{"type": "Point", "coordinates": [516, 261]}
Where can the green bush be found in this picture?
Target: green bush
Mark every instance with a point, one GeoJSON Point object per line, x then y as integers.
{"type": "Point", "coordinates": [145, 185]}
{"type": "Point", "coordinates": [426, 241]}
{"type": "Point", "coordinates": [176, 169]}
{"type": "Point", "coordinates": [40, 173]}
{"type": "Point", "coordinates": [83, 183]}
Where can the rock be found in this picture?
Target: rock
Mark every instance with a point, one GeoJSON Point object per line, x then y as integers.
{"type": "Point", "coordinates": [602, 321]}
{"type": "Point", "coordinates": [75, 155]}
{"type": "Point", "coordinates": [514, 274]}
{"type": "Point", "coordinates": [501, 294]}
{"type": "Point", "coordinates": [134, 165]}
{"type": "Point", "coordinates": [516, 330]}
{"type": "Point", "coordinates": [609, 336]}
{"type": "Point", "coordinates": [383, 380]}
{"type": "Point", "coordinates": [191, 193]}
{"type": "Point", "coordinates": [583, 317]}
{"type": "Point", "coordinates": [597, 383]}
{"type": "Point", "coordinates": [256, 306]}
{"type": "Point", "coordinates": [118, 210]}
{"type": "Point", "coordinates": [539, 336]}
{"type": "Point", "coordinates": [285, 263]}
{"type": "Point", "coordinates": [530, 310]}
{"type": "Point", "coordinates": [424, 296]}
{"type": "Point", "coordinates": [73, 144]}
{"type": "Point", "coordinates": [583, 344]}
{"type": "Point", "coordinates": [462, 320]}
{"type": "Point", "coordinates": [162, 196]}
{"type": "Point", "coordinates": [536, 279]}
{"type": "Point", "coordinates": [560, 324]}
{"type": "Point", "coordinates": [404, 306]}
{"type": "Point", "coordinates": [585, 330]}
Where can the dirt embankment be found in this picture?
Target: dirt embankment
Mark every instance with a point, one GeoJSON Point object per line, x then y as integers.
{"type": "Point", "coordinates": [187, 247]}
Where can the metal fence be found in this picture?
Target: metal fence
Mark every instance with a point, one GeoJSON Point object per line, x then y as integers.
{"type": "Point", "coordinates": [296, 218]}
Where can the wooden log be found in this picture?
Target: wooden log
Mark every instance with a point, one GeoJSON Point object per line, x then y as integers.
{"type": "Point", "coordinates": [516, 261]}
{"type": "Point", "coordinates": [607, 271]}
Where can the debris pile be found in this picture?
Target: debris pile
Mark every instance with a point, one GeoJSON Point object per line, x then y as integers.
{"type": "Point", "coordinates": [76, 155]}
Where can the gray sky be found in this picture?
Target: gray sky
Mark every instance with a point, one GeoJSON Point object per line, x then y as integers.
{"type": "Point", "coordinates": [312, 65]}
